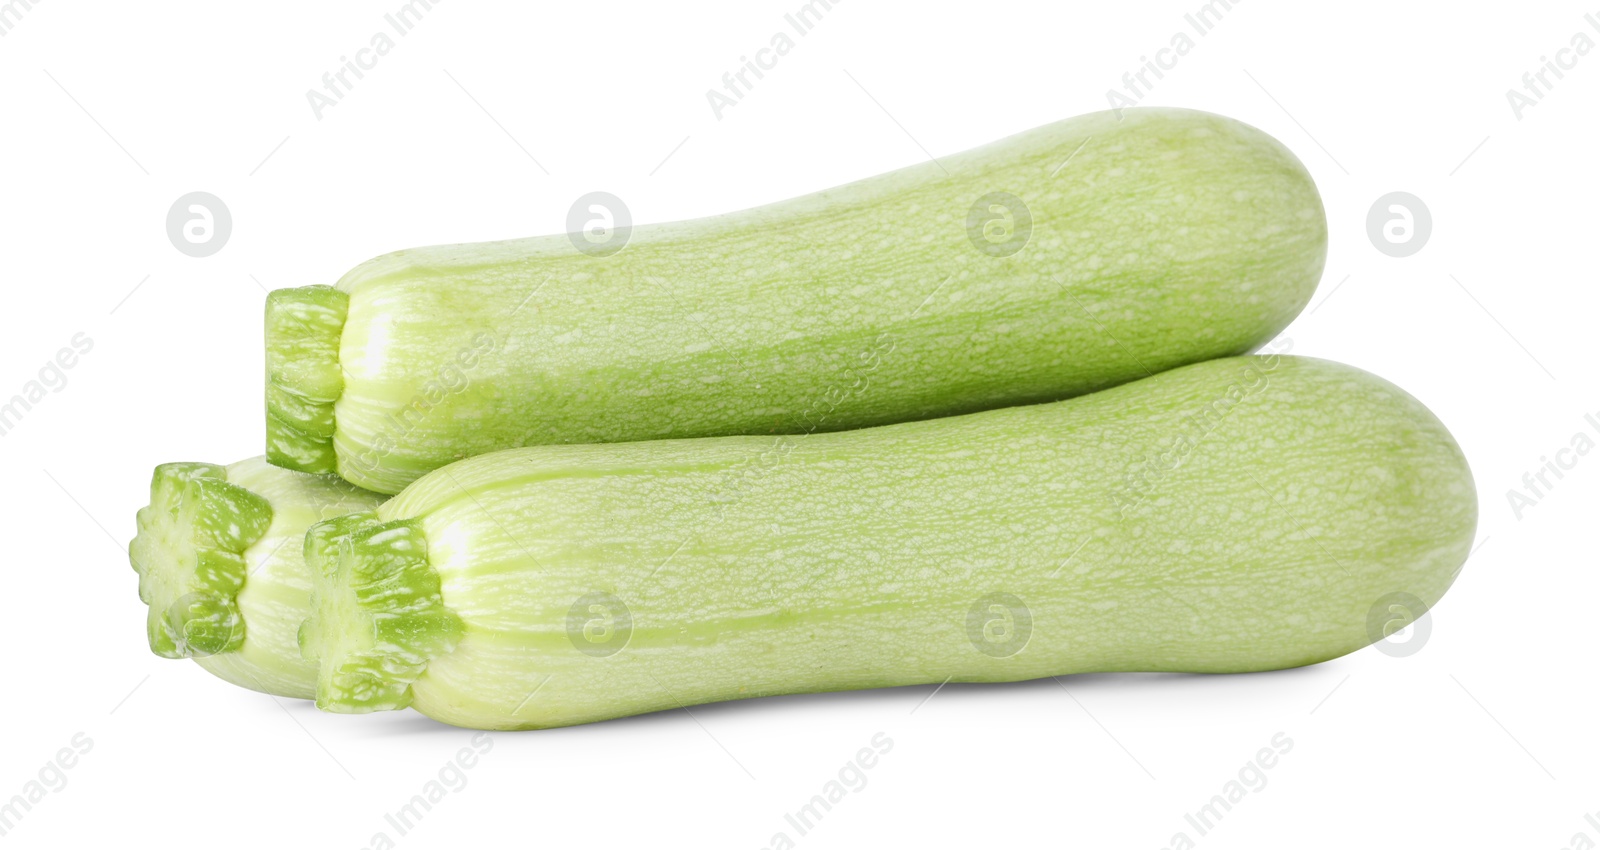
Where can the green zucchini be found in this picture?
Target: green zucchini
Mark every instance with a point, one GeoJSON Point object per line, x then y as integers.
{"type": "Point", "coordinates": [1065, 259]}
{"type": "Point", "coordinates": [1236, 515]}
{"type": "Point", "coordinates": [220, 557]}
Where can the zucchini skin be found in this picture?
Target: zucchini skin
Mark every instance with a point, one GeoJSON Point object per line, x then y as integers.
{"type": "Point", "coordinates": [1171, 237]}
{"type": "Point", "coordinates": [1237, 515]}
{"type": "Point", "coordinates": [221, 566]}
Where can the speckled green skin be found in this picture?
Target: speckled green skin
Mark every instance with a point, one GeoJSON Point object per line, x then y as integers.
{"type": "Point", "coordinates": [1237, 515]}
{"type": "Point", "coordinates": [219, 558]}
{"type": "Point", "coordinates": [1169, 238]}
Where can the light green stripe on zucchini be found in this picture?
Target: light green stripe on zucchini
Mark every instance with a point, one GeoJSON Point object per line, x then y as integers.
{"type": "Point", "coordinates": [221, 567]}
{"type": "Point", "coordinates": [1236, 515]}
{"type": "Point", "coordinates": [1170, 237]}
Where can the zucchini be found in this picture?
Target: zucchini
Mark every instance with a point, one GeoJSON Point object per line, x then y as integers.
{"type": "Point", "coordinates": [220, 557]}
{"type": "Point", "coordinates": [1000, 276]}
{"type": "Point", "coordinates": [1236, 515]}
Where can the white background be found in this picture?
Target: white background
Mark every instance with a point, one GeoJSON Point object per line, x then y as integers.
{"type": "Point", "coordinates": [490, 118]}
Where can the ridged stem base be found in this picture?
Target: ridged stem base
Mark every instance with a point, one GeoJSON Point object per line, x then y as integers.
{"type": "Point", "coordinates": [304, 378]}
{"type": "Point", "coordinates": [377, 617]}
{"type": "Point", "coordinates": [189, 553]}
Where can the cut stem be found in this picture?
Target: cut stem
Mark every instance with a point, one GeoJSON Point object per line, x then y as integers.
{"type": "Point", "coordinates": [218, 553]}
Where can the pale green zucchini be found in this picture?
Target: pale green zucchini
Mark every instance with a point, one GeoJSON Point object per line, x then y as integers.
{"type": "Point", "coordinates": [1241, 514]}
{"type": "Point", "coordinates": [1065, 259]}
{"type": "Point", "coordinates": [220, 557]}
